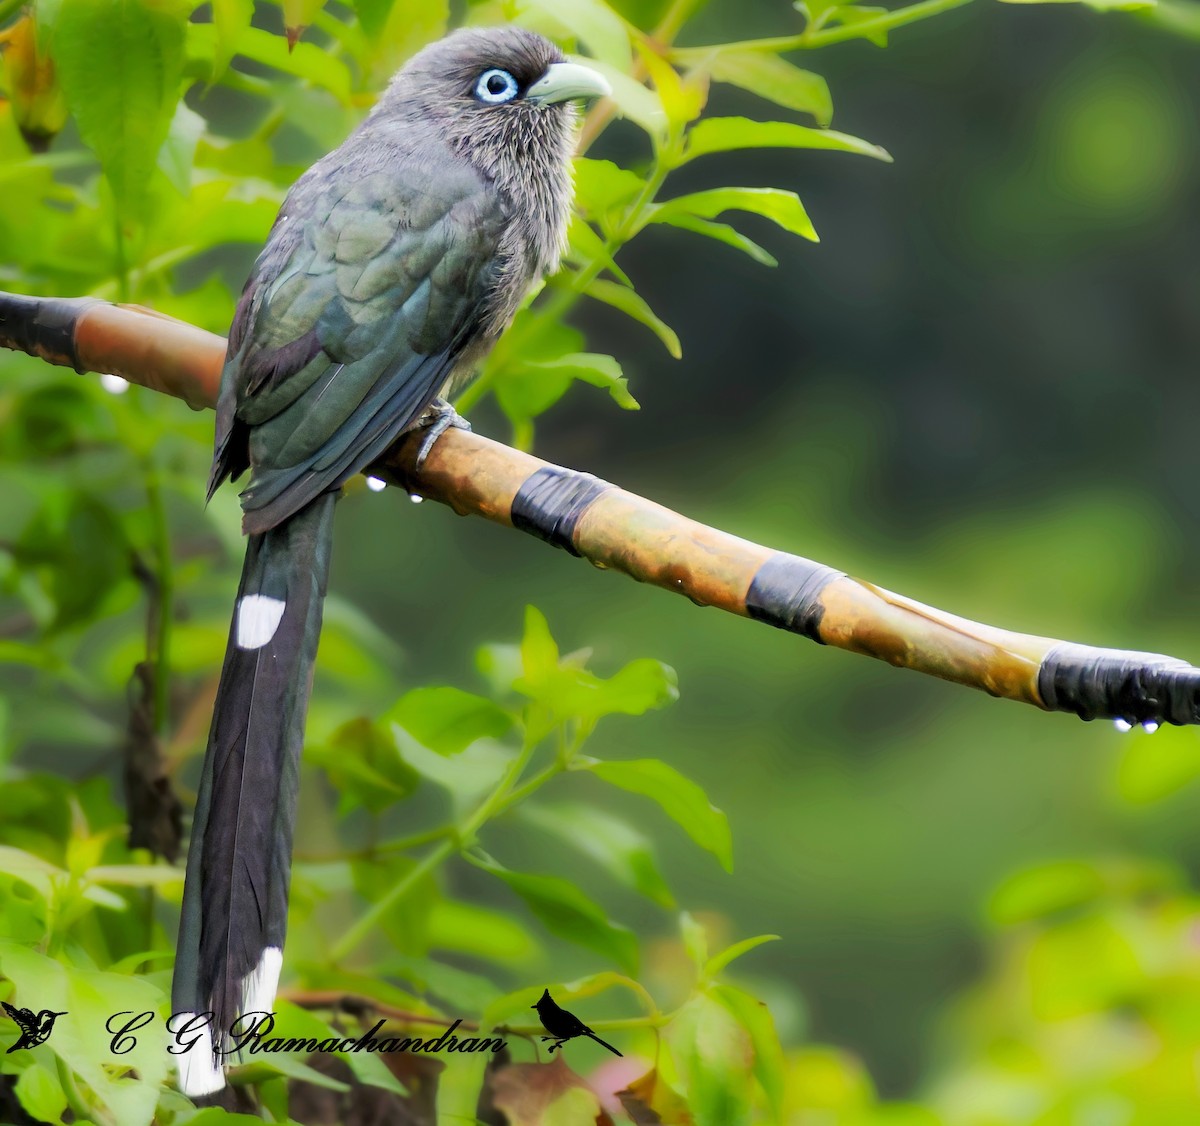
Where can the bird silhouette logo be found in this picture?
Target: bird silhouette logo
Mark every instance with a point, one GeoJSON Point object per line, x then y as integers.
{"type": "Point", "coordinates": [35, 1030]}
{"type": "Point", "coordinates": [562, 1025]}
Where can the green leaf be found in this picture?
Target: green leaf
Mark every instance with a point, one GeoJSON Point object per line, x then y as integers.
{"type": "Point", "coordinates": [622, 851]}
{"type": "Point", "coordinates": [291, 1021]}
{"type": "Point", "coordinates": [602, 187]}
{"type": "Point", "coordinates": [31, 870]}
{"type": "Point", "coordinates": [178, 153]}
{"type": "Point", "coordinates": [775, 204]}
{"type": "Point", "coordinates": [364, 764]}
{"type": "Point", "coordinates": [593, 22]}
{"type": "Point", "coordinates": [517, 1004]}
{"type": "Point", "coordinates": [682, 100]}
{"type": "Point", "coordinates": [136, 875]}
{"type": "Point", "coordinates": [297, 15]}
{"type": "Point", "coordinates": [539, 651]}
{"type": "Point", "coordinates": [633, 305]}
{"type": "Point", "coordinates": [1061, 886]}
{"type": "Point", "coordinates": [83, 547]}
{"type": "Point", "coordinates": [867, 21]}
{"type": "Point", "coordinates": [306, 61]}
{"type": "Point", "coordinates": [482, 933]}
{"type": "Point", "coordinates": [718, 962]}
{"type": "Point", "coordinates": [715, 1054]}
{"type": "Point", "coordinates": [89, 999]}
{"type": "Point", "coordinates": [524, 390]}
{"type": "Point", "coordinates": [39, 1091]}
{"type": "Point", "coordinates": [754, 1016]}
{"type": "Point", "coordinates": [594, 368]}
{"type": "Point", "coordinates": [566, 912]}
{"type": "Point", "coordinates": [1098, 5]}
{"type": "Point", "coordinates": [448, 720]}
{"type": "Point", "coordinates": [397, 29]}
{"type": "Point", "coordinates": [231, 18]}
{"type": "Point", "coordinates": [680, 798]}
{"type": "Point", "coordinates": [266, 1067]}
{"type": "Point", "coordinates": [729, 134]}
{"type": "Point", "coordinates": [120, 63]}
{"type": "Point", "coordinates": [459, 990]}
{"type": "Point", "coordinates": [500, 666]}
{"type": "Point", "coordinates": [467, 776]}
{"type": "Point", "coordinates": [585, 246]}
{"type": "Point", "coordinates": [218, 1116]}
{"type": "Point", "coordinates": [638, 103]}
{"type": "Point", "coordinates": [722, 232]}
{"type": "Point", "coordinates": [570, 691]}
{"type": "Point", "coordinates": [767, 75]}
{"type": "Point", "coordinates": [406, 923]}
{"type": "Point", "coordinates": [695, 939]}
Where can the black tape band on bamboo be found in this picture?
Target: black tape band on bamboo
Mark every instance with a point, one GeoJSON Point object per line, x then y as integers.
{"type": "Point", "coordinates": [1117, 684]}
{"type": "Point", "coordinates": [786, 593]}
{"type": "Point", "coordinates": [624, 532]}
{"type": "Point", "coordinates": [42, 326]}
{"type": "Point", "coordinates": [552, 502]}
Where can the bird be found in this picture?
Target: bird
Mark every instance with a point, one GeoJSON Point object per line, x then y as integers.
{"type": "Point", "coordinates": [393, 266]}
{"type": "Point", "coordinates": [35, 1030]}
{"type": "Point", "coordinates": [562, 1025]}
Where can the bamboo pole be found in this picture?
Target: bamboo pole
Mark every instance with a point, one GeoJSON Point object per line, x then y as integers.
{"type": "Point", "coordinates": [618, 530]}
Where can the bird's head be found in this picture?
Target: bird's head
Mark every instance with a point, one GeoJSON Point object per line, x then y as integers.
{"type": "Point", "coordinates": [542, 999]}
{"type": "Point", "coordinates": [503, 98]}
{"type": "Point", "coordinates": [488, 81]}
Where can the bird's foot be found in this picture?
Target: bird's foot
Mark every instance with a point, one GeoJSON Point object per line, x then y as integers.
{"type": "Point", "coordinates": [440, 417]}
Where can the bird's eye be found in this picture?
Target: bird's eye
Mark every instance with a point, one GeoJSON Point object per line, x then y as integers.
{"type": "Point", "coordinates": [496, 87]}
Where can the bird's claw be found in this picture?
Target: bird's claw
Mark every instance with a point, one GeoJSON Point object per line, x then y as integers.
{"type": "Point", "coordinates": [440, 417]}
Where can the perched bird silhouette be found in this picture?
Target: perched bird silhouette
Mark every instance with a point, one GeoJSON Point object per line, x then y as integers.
{"type": "Point", "coordinates": [35, 1030]}
{"type": "Point", "coordinates": [394, 265]}
{"type": "Point", "coordinates": [562, 1025]}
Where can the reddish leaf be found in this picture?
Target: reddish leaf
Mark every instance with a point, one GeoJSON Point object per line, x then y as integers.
{"type": "Point", "coordinates": [546, 1094]}
{"type": "Point", "coordinates": [650, 1102]}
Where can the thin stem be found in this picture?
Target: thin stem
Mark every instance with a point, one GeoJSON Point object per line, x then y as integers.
{"type": "Point", "coordinates": [889, 22]}
{"type": "Point", "coordinates": [463, 836]}
{"type": "Point", "coordinates": [366, 923]}
{"type": "Point", "coordinates": [138, 277]}
{"type": "Point", "coordinates": [553, 310]}
{"type": "Point", "coordinates": [815, 38]}
{"type": "Point", "coordinates": [661, 39]}
{"type": "Point", "coordinates": [160, 642]}
{"type": "Point", "coordinates": [673, 20]}
{"type": "Point", "coordinates": [75, 1099]}
{"type": "Point", "coordinates": [122, 262]}
{"type": "Point", "coordinates": [492, 804]}
{"type": "Point", "coordinates": [399, 844]}
{"type": "Point", "coordinates": [522, 792]}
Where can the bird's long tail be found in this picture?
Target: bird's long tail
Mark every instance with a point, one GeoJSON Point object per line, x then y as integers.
{"type": "Point", "coordinates": [235, 897]}
{"type": "Point", "coordinates": [604, 1043]}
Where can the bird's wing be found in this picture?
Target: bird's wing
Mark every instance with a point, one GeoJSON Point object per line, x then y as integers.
{"type": "Point", "coordinates": [368, 294]}
{"type": "Point", "coordinates": [23, 1017]}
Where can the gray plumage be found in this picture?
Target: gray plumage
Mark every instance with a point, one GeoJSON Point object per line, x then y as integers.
{"type": "Point", "coordinates": [395, 263]}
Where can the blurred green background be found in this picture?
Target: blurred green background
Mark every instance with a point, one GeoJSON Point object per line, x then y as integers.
{"type": "Point", "coordinates": [978, 389]}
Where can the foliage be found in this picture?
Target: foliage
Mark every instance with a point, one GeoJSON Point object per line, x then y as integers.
{"type": "Point", "coordinates": [185, 128]}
